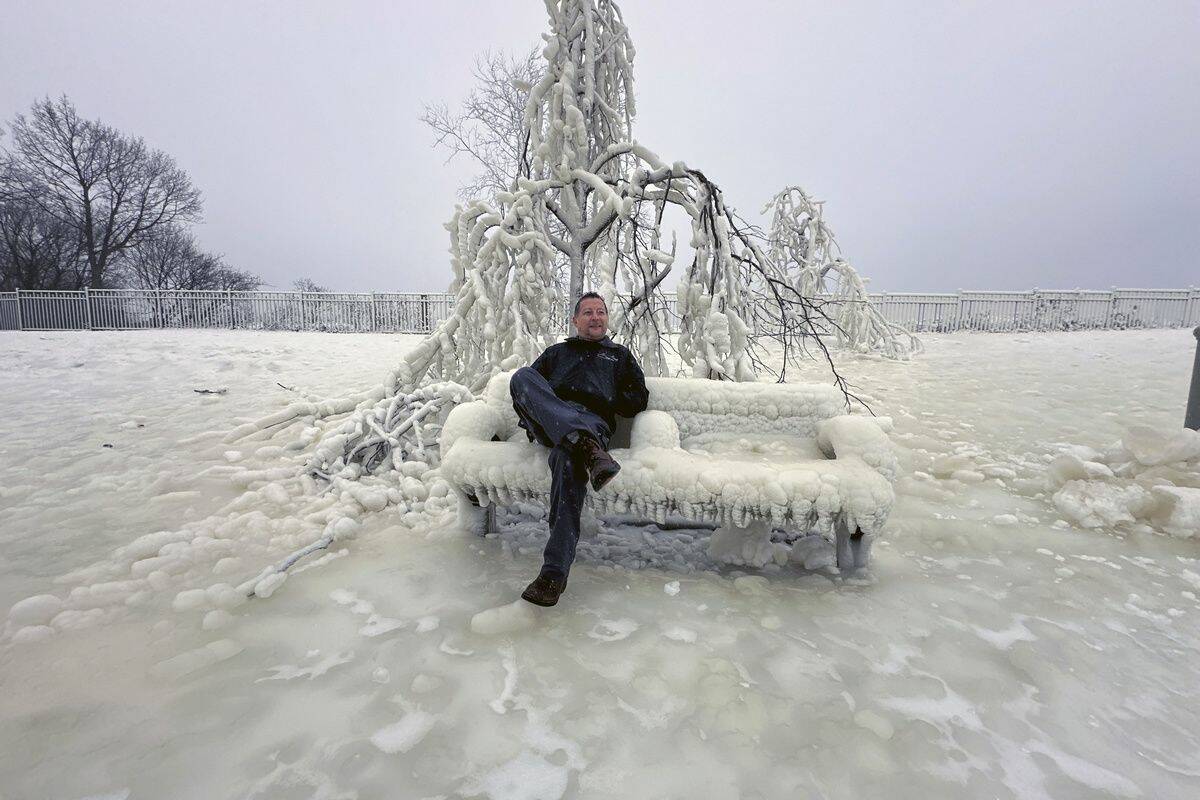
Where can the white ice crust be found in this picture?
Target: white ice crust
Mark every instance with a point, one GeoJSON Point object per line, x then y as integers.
{"type": "Point", "coordinates": [1150, 479]}
{"type": "Point", "coordinates": [734, 453]}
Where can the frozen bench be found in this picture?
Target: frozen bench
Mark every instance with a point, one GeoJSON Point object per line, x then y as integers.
{"type": "Point", "coordinates": [748, 457]}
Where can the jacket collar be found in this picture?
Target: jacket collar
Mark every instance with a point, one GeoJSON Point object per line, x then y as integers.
{"type": "Point", "coordinates": [605, 342]}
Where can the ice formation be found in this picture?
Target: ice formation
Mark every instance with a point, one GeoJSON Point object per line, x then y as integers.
{"type": "Point", "coordinates": [587, 205]}
{"type": "Point", "coordinates": [693, 455]}
{"type": "Point", "coordinates": [803, 243]}
{"type": "Point", "coordinates": [1022, 609]}
{"type": "Point", "coordinates": [1149, 480]}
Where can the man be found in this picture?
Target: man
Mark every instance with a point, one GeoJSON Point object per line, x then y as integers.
{"type": "Point", "coordinates": [568, 401]}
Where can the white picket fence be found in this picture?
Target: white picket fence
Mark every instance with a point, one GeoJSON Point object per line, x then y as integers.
{"type": "Point", "coordinates": [396, 312]}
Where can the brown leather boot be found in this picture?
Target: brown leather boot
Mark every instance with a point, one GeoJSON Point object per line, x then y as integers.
{"type": "Point", "coordinates": [545, 590]}
{"type": "Point", "coordinates": [601, 467]}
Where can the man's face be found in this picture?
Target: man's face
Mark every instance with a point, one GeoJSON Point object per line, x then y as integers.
{"type": "Point", "coordinates": [591, 322]}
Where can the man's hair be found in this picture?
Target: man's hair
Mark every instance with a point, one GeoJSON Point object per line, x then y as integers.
{"type": "Point", "coordinates": [585, 296]}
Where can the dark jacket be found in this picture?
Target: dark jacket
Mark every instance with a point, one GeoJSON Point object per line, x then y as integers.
{"type": "Point", "coordinates": [602, 376]}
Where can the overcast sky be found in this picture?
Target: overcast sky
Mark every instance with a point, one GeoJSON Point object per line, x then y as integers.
{"type": "Point", "coordinates": [997, 145]}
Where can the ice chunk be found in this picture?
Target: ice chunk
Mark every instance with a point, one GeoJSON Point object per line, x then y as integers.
{"type": "Point", "coordinates": [36, 610]}
{"type": "Point", "coordinates": [33, 633]}
{"type": "Point", "coordinates": [189, 600]}
{"type": "Point", "coordinates": [227, 565]}
{"type": "Point", "coordinates": [405, 734]}
{"type": "Point", "coordinates": [276, 494]}
{"type": "Point", "coordinates": [1070, 467]}
{"type": "Point", "coordinates": [671, 588]}
{"type": "Point", "coordinates": [1152, 447]}
{"type": "Point", "coordinates": [947, 465]}
{"type": "Point", "coordinates": [218, 618]}
{"type": "Point", "coordinates": [1178, 511]}
{"type": "Point", "coordinates": [378, 625]}
{"type": "Point", "coordinates": [515, 616]}
{"type": "Point", "coordinates": [1093, 504]}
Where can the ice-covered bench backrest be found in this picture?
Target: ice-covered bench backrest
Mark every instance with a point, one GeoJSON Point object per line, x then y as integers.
{"type": "Point", "coordinates": [702, 406]}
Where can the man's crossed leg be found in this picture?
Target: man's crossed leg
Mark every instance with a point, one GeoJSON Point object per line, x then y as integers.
{"type": "Point", "coordinates": [578, 441]}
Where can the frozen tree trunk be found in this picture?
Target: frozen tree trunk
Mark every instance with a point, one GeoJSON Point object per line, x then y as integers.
{"type": "Point", "coordinates": [576, 274]}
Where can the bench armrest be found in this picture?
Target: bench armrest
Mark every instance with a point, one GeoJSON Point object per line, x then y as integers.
{"type": "Point", "coordinates": [845, 436]}
{"type": "Point", "coordinates": [476, 420]}
{"type": "Point", "coordinates": [654, 429]}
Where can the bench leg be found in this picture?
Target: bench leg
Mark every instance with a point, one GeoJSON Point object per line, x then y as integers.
{"type": "Point", "coordinates": [852, 547]}
{"type": "Point", "coordinates": [477, 520]}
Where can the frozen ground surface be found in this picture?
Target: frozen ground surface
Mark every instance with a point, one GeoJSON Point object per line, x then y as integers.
{"type": "Point", "coordinates": [1001, 649]}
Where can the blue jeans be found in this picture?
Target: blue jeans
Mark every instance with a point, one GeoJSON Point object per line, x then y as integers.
{"type": "Point", "coordinates": [549, 420]}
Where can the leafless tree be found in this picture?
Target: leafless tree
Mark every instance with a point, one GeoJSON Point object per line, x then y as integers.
{"type": "Point", "coordinates": [237, 280]}
{"type": "Point", "coordinates": [110, 189]}
{"type": "Point", "coordinates": [171, 259]}
{"type": "Point", "coordinates": [308, 285]}
{"type": "Point", "coordinates": [37, 250]}
{"type": "Point", "coordinates": [489, 128]}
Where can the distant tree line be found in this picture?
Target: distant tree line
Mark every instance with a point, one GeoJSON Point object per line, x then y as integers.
{"type": "Point", "coordinates": [85, 205]}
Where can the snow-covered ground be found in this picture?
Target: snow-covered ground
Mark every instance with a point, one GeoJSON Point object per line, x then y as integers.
{"type": "Point", "coordinates": [1001, 648]}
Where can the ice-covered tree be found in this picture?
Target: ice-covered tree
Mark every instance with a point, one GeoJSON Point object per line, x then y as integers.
{"type": "Point", "coordinates": [489, 127]}
{"type": "Point", "coordinates": [589, 198]}
{"type": "Point", "coordinates": [803, 245]}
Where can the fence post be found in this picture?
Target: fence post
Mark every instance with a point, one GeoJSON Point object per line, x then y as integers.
{"type": "Point", "coordinates": [159, 322]}
{"type": "Point", "coordinates": [303, 315]}
{"type": "Point", "coordinates": [20, 314]}
{"type": "Point", "coordinates": [1112, 303]}
{"type": "Point", "coordinates": [87, 307]}
{"type": "Point", "coordinates": [1192, 417]}
{"type": "Point", "coordinates": [958, 311]}
{"type": "Point", "coordinates": [1192, 312]}
{"type": "Point", "coordinates": [425, 313]}
{"type": "Point", "coordinates": [229, 302]}
{"type": "Point", "coordinates": [374, 326]}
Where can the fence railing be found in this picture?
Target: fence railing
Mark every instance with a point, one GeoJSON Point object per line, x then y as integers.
{"type": "Point", "coordinates": [131, 309]}
{"type": "Point", "coordinates": [396, 312]}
